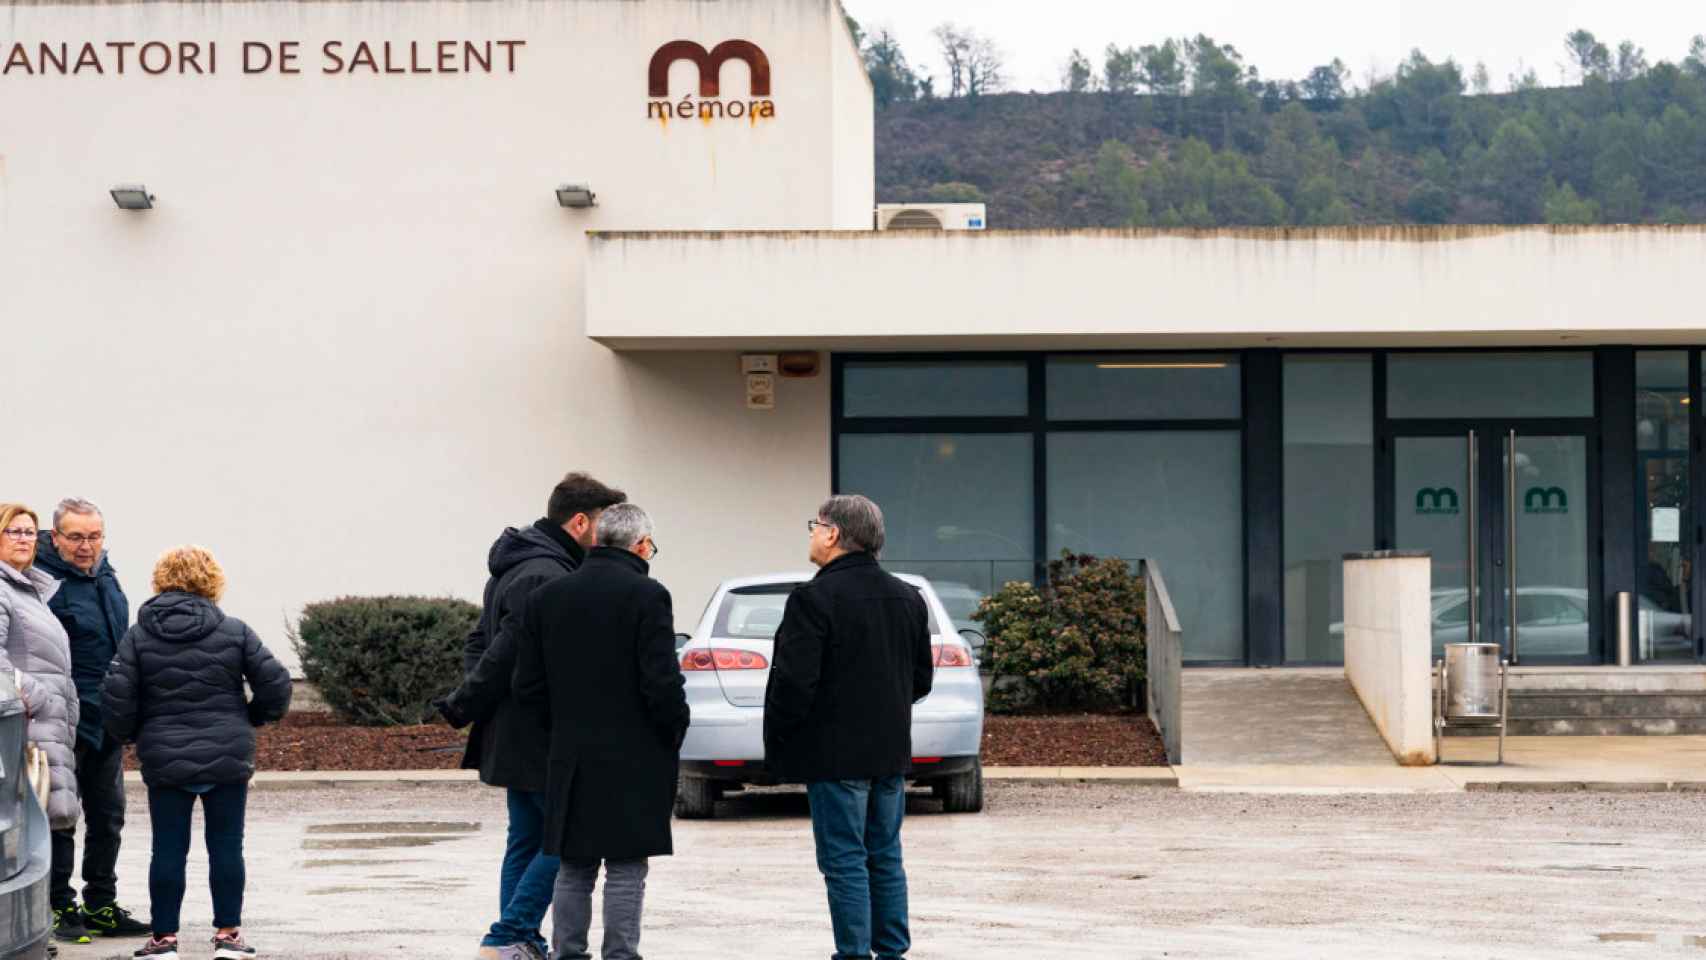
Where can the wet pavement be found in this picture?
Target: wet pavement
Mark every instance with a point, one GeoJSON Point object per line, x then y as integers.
{"type": "Point", "coordinates": [1093, 870]}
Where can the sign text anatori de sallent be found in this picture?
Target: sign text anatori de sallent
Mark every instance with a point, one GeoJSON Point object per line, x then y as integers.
{"type": "Point", "coordinates": [201, 58]}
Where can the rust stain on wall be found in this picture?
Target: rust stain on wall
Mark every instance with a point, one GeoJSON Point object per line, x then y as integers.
{"type": "Point", "coordinates": [1357, 234]}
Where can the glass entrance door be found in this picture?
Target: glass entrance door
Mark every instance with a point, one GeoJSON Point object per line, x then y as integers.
{"type": "Point", "coordinates": [1506, 516]}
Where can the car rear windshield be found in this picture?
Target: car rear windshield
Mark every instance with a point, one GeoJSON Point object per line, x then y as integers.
{"type": "Point", "coordinates": [754, 613]}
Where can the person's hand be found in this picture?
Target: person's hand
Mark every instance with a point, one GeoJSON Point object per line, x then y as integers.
{"type": "Point", "coordinates": [442, 708]}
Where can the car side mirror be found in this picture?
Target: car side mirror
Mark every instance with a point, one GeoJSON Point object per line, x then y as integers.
{"type": "Point", "coordinates": [976, 639]}
{"type": "Point", "coordinates": [682, 640]}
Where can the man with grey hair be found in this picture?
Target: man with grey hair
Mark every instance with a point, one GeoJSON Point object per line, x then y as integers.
{"type": "Point", "coordinates": [596, 667]}
{"type": "Point", "coordinates": [852, 656]}
{"type": "Point", "coordinates": [96, 614]}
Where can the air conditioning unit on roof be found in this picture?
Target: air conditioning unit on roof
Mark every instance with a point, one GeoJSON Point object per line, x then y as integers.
{"type": "Point", "coordinates": [930, 216]}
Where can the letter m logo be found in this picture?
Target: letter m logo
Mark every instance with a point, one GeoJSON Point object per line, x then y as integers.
{"type": "Point", "coordinates": [1546, 500]}
{"type": "Point", "coordinates": [710, 64]}
{"type": "Point", "coordinates": [1436, 500]}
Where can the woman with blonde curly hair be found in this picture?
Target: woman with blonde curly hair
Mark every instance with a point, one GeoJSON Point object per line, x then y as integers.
{"type": "Point", "coordinates": [176, 691]}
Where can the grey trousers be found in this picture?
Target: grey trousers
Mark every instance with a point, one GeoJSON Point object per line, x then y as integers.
{"type": "Point", "coordinates": [624, 898]}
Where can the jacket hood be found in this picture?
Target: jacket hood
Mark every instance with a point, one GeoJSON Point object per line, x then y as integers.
{"type": "Point", "coordinates": [48, 558]}
{"type": "Point", "coordinates": [180, 617]}
{"type": "Point", "coordinates": [515, 547]}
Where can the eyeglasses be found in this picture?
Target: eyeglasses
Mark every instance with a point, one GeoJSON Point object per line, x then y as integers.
{"type": "Point", "coordinates": [813, 524]}
{"type": "Point", "coordinates": [81, 539]}
{"type": "Point", "coordinates": [655, 548]}
{"type": "Point", "coordinates": [18, 533]}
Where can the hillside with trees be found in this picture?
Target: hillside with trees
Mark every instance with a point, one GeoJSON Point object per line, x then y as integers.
{"type": "Point", "coordinates": [1186, 133]}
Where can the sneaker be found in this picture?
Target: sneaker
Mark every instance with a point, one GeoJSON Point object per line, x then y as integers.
{"type": "Point", "coordinates": [230, 946]}
{"type": "Point", "coordinates": [113, 920]}
{"type": "Point", "coordinates": [68, 926]}
{"type": "Point", "coordinates": [165, 948]}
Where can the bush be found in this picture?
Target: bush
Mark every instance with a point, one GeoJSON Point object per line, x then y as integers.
{"type": "Point", "coordinates": [1076, 644]}
{"type": "Point", "coordinates": [380, 661]}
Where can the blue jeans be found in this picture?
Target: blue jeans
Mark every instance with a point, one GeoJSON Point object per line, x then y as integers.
{"type": "Point", "coordinates": [856, 824]}
{"type": "Point", "coordinates": [529, 874]}
{"type": "Point", "coordinates": [169, 812]}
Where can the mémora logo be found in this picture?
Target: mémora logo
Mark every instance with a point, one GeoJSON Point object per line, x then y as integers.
{"type": "Point", "coordinates": [710, 105]}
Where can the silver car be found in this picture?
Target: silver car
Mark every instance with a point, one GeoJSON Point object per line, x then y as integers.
{"type": "Point", "coordinates": [726, 661]}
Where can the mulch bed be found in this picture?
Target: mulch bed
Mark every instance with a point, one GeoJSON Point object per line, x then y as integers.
{"type": "Point", "coordinates": [1072, 740]}
{"type": "Point", "coordinates": [317, 741]}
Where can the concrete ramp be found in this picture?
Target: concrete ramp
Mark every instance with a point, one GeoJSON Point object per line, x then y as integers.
{"type": "Point", "coordinates": [1306, 717]}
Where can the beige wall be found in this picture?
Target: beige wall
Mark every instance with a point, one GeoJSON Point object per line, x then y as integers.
{"type": "Point", "coordinates": [347, 346]}
{"type": "Point", "coordinates": [1438, 286]}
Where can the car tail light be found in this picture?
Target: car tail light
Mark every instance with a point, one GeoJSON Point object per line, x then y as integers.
{"type": "Point", "coordinates": [951, 655]}
{"type": "Point", "coordinates": [723, 660]}
{"type": "Point", "coordinates": [926, 759]}
{"type": "Point", "coordinates": [728, 763]}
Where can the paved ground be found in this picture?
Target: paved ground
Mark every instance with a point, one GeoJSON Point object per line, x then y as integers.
{"type": "Point", "coordinates": [1295, 717]}
{"type": "Point", "coordinates": [1099, 871]}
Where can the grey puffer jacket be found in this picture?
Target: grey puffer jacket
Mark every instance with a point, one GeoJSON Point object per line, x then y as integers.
{"type": "Point", "coordinates": [33, 643]}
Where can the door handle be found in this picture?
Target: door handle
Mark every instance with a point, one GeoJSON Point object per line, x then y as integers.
{"type": "Point", "coordinates": [1474, 545]}
{"type": "Point", "coordinates": [1510, 542]}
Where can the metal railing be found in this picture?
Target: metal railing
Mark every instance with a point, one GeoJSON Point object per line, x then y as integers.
{"type": "Point", "coordinates": [1164, 644]}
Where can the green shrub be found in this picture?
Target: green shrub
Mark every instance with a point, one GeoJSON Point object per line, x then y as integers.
{"type": "Point", "coordinates": [380, 661]}
{"type": "Point", "coordinates": [1076, 644]}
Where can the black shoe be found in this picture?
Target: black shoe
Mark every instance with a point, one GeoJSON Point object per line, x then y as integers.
{"type": "Point", "coordinates": [68, 926]}
{"type": "Point", "coordinates": [113, 920]}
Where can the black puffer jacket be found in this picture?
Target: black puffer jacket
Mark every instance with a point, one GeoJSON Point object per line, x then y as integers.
{"type": "Point", "coordinates": [175, 689]}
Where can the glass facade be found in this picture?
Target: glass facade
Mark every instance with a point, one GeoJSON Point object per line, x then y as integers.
{"type": "Point", "coordinates": [1171, 496]}
{"type": "Point", "coordinates": [1328, 406]}
{"type": "Point", "coordinates": [960, 389]}
{"type": "Point", "coordinates": [1453, 385]}
{"type": "Point", "coordinates": [966, 544]}
{"type": "Point", "coordinates": [1662, 408]}
{"type": "Point", "coordinates": [1248, 476]}
{"type": "Point", "coordinates": [1163, 387]}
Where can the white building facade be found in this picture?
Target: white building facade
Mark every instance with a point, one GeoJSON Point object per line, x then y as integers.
{"type": "Point", "coordinates": [356, 335]}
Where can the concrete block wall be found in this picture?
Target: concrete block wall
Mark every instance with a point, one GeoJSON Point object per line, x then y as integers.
{"type": "Point", "coordinates": [1388, 648]}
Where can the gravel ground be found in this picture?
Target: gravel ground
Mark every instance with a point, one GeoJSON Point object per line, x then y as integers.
{"type": "Point", "coordinates": [1082, 871]}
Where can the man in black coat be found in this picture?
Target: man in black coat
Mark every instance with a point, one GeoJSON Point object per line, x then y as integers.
{"type": "Point", "coordinates": [597, 669]}
{"type": "Point", "coordinates": [93, 608]}
{"type": "Point", "coordinates": [508, 752]}
{"type": "Point", "coordinates": [852, 656]}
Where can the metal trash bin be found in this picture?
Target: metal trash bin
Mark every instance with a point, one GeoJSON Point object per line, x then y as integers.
{"type": "Point", "coordinates": [1472, 692]}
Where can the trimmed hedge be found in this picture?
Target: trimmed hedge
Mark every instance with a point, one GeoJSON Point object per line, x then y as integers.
{"type": "Point", "coordinates": [380, 661]}
{"type": "Point", "coordinates": [1076, 644]}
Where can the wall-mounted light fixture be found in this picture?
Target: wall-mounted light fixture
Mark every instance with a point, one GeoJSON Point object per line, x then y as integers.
{"type": "Point", "coordinates": [576, 195]}
{"type": "Point", "coordinates": [132, 196]}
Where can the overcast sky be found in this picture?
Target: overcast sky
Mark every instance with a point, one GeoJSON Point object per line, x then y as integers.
{"type": "Point", "coordinates": [1286, 39]}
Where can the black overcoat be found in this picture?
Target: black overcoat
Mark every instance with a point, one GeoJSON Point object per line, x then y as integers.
{"type": "Point", "coordinates": [852, 656]}
{"type": "Point", "coordinates": [596, 667]}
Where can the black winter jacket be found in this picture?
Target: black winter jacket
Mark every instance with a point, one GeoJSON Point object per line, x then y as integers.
{"type": "Point", "coordinates": [95, 614]}
{"type": "Point", "coordinates": [597, 674]}
{"type": "Point", "coordinates": [175, 689]}
{"type": "Point", "coordinates": [507, 752]}
{"type": "Point", "coordinates": [852, 656]}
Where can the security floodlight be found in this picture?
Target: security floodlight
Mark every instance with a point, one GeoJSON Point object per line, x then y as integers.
{"type": "Point", "coordinates": [133, 196]}
{"type": "Point", "coordinates": [575, 195]}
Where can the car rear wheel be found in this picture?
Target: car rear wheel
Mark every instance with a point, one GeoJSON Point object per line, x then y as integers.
{"type": "Point", "coordinates": [696, 798]}
{"type": "Point", "coordinates": [963, 792]}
